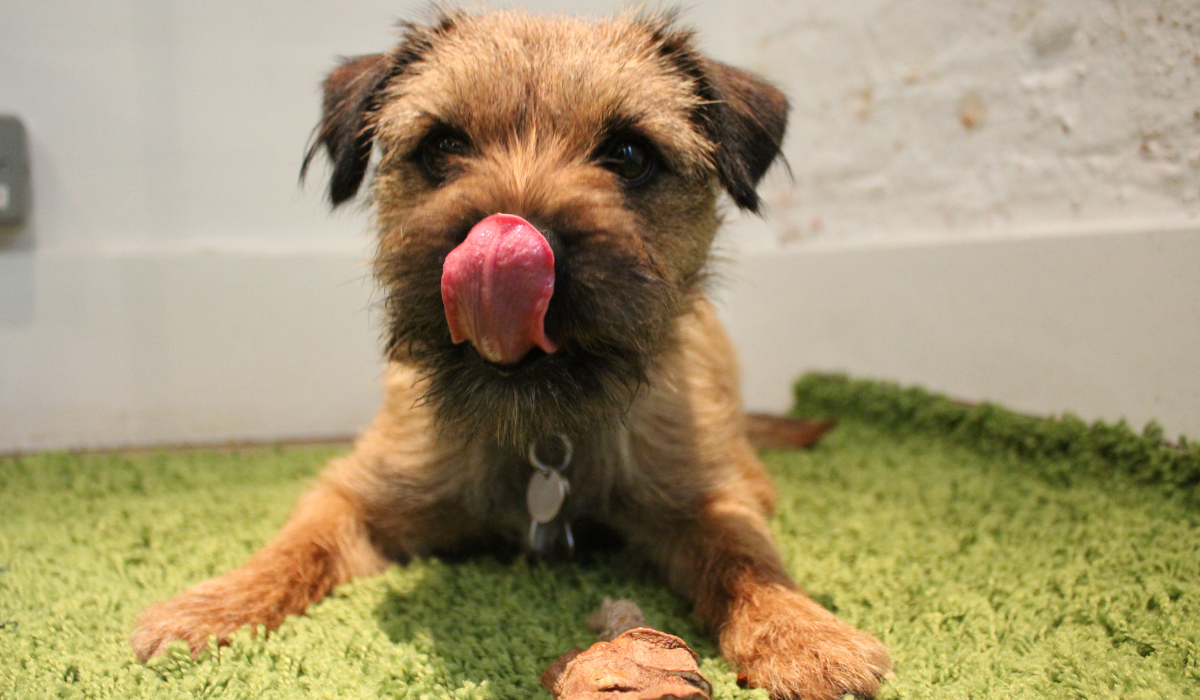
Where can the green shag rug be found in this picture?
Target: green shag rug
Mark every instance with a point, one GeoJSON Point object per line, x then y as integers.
{"type": "Point", "coordinates": [999, 556]}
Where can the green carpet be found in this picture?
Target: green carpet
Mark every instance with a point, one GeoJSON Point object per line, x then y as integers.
{"type": "Point", "coordinates": [999, 556]}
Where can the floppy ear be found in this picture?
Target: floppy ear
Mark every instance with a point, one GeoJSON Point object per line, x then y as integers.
{"type": "Point", "coordinates": [745, 117]}
{"type": "Point", "coordinates": [346, 131]}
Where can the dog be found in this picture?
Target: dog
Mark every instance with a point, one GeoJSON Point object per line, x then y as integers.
{"type": "Point", "coordinates": [546, 194]}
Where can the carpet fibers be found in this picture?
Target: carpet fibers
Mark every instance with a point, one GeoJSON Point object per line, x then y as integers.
{"type": "Point", "coordinates": [998, 556]}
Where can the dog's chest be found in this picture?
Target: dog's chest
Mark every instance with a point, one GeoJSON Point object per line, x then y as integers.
{"type": "Point", "coordinates": [514, 493]}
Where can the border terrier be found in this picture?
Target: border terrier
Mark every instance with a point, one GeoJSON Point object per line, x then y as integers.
{"type": "Point", "coordinates": [546, 198]}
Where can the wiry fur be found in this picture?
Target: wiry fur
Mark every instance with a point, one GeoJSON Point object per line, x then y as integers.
{"type": "Point", "coordinates": [644, 381]}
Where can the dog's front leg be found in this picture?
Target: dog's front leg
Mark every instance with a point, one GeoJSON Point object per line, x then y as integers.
{"type": "Point", "coordinates": [324, 543]}
{"type": "Point", "coordinates": [727, 562]}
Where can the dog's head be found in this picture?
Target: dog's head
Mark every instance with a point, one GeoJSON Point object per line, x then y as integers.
{"type": "Point", "coordinates": [546, 197]}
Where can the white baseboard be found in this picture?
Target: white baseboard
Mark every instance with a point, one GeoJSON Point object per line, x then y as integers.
{"type": "Point", "coordinates": [1105, 326]}
{"type": "Point", "coordinates": [138, 348]}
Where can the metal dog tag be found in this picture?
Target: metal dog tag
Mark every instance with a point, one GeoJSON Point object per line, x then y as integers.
{"type": "Point", "coordinates": [547, 492]}
{"type": "Point", "coordinates": [543, 536]}
{"type": "Point", "coordinates": [545, 495]}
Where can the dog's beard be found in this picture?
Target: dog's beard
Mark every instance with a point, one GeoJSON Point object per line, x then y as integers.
{"type": "Point", "coordinates": [611, 319]}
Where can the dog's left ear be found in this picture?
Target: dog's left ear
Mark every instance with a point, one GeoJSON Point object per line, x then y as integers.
{"type": "Point", "coordinates": [745, 117]}
{"type": "Point", "coordinates": [351, 96]}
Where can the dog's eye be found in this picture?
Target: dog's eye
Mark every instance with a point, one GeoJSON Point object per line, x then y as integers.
{"type": "Point", "coordinates": [630, 161]}
{"type": "Point", "coordinates": [439, 150]}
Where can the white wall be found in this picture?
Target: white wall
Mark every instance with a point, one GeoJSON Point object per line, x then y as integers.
{"type": "Point", "coordinates": [176, 285]}
{"type": "Point", "coordinates": [952, 119]}
{"type": "Point", "coordinates": [999, 199]}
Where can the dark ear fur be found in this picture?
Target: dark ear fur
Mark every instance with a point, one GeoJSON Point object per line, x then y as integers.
{"type": "Point", "coordinates": [351, 95]}
{"type": "Point", "coordinates": [745, 117]}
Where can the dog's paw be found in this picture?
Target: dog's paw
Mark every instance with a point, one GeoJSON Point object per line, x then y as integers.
{"type": "Point", "coordinates": [166, 622]}
{"type": "Point", "coordinates": [797, 650]}
{"type": "Point", "coordinates": [210, 609]}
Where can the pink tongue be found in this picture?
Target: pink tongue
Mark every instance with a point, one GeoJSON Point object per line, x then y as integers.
{"type": "Point", "coordinates": [496, 286]}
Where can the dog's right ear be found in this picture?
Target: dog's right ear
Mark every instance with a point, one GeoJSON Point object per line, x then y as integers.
{"type": "Point", "coordinates": [346, 131]}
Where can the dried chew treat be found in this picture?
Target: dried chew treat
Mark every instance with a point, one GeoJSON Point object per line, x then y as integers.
{"type": "Point", "coordinates": [640, 664]}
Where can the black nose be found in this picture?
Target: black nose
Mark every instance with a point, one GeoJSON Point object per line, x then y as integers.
{"type": "Point", "coordinates": [557, 247]}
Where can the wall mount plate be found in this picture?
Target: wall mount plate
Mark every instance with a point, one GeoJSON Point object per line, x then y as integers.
{"type": "Point", "coordinates": [14, 171]}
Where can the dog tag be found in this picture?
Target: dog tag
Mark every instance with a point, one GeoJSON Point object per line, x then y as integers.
{"type": "Point", "coordinates": [543, 536]}
{"type": "Point", "coordinates": [545, 495]}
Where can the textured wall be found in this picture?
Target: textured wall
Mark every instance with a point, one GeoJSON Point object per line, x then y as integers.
{"type": "Point", "coordinates": [965, 118]}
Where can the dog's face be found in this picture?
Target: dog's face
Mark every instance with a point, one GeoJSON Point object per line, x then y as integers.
{"type": "Point", "coordinates": [603, 145]}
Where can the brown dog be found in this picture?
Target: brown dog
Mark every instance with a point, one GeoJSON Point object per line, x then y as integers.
{"type": "Point", "coordinates": [546, 199]}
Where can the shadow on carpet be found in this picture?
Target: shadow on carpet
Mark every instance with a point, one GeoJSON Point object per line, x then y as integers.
{"type": "Point", "coordinates": [998, 556]}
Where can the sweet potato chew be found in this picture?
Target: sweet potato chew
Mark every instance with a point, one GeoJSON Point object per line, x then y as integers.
{"type": "Point", "coordinates": [638, 664]}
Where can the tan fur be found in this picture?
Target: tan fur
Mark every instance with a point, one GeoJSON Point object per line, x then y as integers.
{"type": "Point", "coordinates": [667, 465]}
